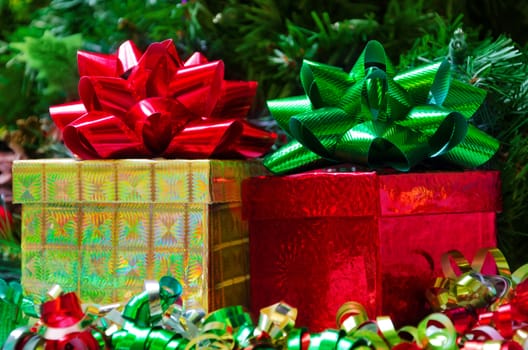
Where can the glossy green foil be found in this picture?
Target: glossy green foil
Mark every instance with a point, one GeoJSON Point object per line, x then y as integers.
{"type": "Point", "coordinates": [372, 116]}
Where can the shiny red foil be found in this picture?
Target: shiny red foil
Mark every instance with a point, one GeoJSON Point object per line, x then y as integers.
{"type": "Point", "coordinates": [63, 312]}
{"type": "Point", "coordinates": [136, 105]}
{"type": "Point", "coordinates": [520, 301]}
{"type": "Point", "coordinates": [319, 239]}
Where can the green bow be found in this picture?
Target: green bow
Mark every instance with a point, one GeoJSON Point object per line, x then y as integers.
{"type": "Point", "coordinates": [375, 117]}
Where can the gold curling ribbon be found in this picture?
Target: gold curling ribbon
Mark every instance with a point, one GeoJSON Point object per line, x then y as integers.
{"type": "Point", "coordinates": [350, 316]}
{"type": "Point", "coordinates": [277, 320]}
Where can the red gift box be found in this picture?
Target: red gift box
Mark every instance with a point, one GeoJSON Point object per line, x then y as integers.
{"type": "Point", "coordinates": [320, 239]}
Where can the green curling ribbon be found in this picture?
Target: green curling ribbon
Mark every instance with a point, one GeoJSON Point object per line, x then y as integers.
{"type": "Point", "coordinates": [11, 303]}
{"type": "Point", "coordinates": [219, 326]}
{"type": "Point", "coordinates": [145, 309]}
{"type": "Point", "coordinates": [326, 340]}
{"type": "Point", "coordinates": [365, 339]}
{"type": "Point", "coordinates": [436, 332]}
{"type": "Point", "coordinates": [230, 317]}
{"type": "Point", "coordinates": [144, 312]}
{"type": "Point", "coordinates": [99, 338]}
{"type": "Point", "coordinates": [222, 329]}
{"type": "Point", "coordinates": [295, 338]}
{"type": "Point", "coordinates": [375, 117]}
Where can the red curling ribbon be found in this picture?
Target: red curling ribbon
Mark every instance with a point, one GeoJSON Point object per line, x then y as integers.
{"type": "Point", "coordinates": [62, 319]}
{"type": "Point", "coordinates": [502, 319]}
{"type": "Point", "coordinates": [491, 310]}
{"type": "Point", "coordinates": [63, 311]}
{"type": "Point", "coordinates": [519, 301]}
{"type": "Point", "coordinates": [482, 334]}
{"type": "Point", "coordinates": [462, 318]}
{"type": "Point", "coordinates": [502, 345]}
{"type": "Point", "coordinates": [136, 105]}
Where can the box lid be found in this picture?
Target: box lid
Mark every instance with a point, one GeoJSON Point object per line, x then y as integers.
{"type": "Point", "coordinates": [310, 194]}
{"type": "Point", "coordinates": [130, 180]}
{"type": "Point", "coordinates": [317, 194]}
{"type": "Point", "coordinates": [440, 192]}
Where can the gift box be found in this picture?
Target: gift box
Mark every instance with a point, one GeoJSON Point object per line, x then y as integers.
{"type": "Point", "coordinates": [102, 227]}
{"type": "Point", "coordinates": [320, 239]}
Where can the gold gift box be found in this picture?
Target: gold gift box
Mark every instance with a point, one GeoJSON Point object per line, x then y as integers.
{"type": "Point", "coordinates": [102, 227]}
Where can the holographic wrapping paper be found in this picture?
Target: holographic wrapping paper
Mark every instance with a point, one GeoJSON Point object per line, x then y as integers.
{"type": "Point", "coordinates": [101, 228]}
{"type": "Point", "coordinates": [320, 239]}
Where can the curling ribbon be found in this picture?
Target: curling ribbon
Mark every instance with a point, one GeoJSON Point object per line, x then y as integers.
{"type": "Point", "coordinates": [435, 332]}
{"type": "Point", "coordinates": [11, 305]}
{"type": "Point", "coordinates": [154, 319]}
{"type": "Point", "coordinates": [62, 325]}
{"type": "Point", "coordinates": [144, 314]}
{"type": "Point", "coordinates": [226, 328]}
{"type": "Point", "coordinates": [137, 105]}
{"type": "Point", "coordinates": [486, 308]}
{"type": "Point", "coordinates": [375, 117]}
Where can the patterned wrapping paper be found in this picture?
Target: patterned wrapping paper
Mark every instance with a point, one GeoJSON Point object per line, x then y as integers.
{"type": "Point", "coordinates": [101, 228]}
{"type": "Point", "coordinates": [320, 239]}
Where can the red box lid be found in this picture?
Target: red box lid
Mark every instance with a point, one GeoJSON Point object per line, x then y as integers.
{"type": "Point", "coordinates": [313, 194]}
{"type": "Point", "coordinates": [317, 194]}
{"type": "Point", "coordinates": [439, 192]}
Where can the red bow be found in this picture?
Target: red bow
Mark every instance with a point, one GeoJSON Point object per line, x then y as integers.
{"type": "Point", "coordinates": [137, 105]}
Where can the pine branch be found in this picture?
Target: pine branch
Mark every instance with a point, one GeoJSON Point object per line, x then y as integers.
{"type": "Point", "coordinates": [496, 66]}
{"type": "Point", "coordinates": [53, 60]}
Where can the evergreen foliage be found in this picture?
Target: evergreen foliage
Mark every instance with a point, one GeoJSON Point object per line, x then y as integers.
{"type": "Point", "coordinates": [266, 41]}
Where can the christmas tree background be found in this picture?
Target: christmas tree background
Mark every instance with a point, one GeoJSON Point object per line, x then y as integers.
{"type": "Point", "coordinates": [266, 41]}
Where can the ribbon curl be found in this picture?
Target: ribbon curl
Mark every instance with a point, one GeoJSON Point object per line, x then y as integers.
{"type": "Point", "coordinates": [155, 319]}
{"type": "Point", "coordinates": [373, 116]}
{"type": "Point", "coordinates": [146, 313]}
{"type": "Point", "coordinates": [486, 307]}
{"type": "Point", "coordinates": [11, 308]}
{"type": "Point", "coordinates": [137, 105]}
{"type": "Point", "coordinates": [62, 325]}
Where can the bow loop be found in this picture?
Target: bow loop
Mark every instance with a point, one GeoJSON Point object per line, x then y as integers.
{"type": "Point", "coordinates": [109, 94]}
{"type": "Point", "coordinates": [372, 56]}
{"type": "Point", "coordinates": [198, 87]}
{"type": "Point", "coordinates": [440, 86]}
{"type": "Point", "coordinates": [319, 130]}
{"type": "Point", "coordinates": [97, 64]}
{"type": "Point", "coordinates": [156, 119]}
{"type": "Point", "coordinates": [102, 135]}
{"type": "Point", "coordinates": [319, 81]}
{"type": "Point", "coordinates": [128, 56]}
{"type": "Point", "coordinates": [376, 87]}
